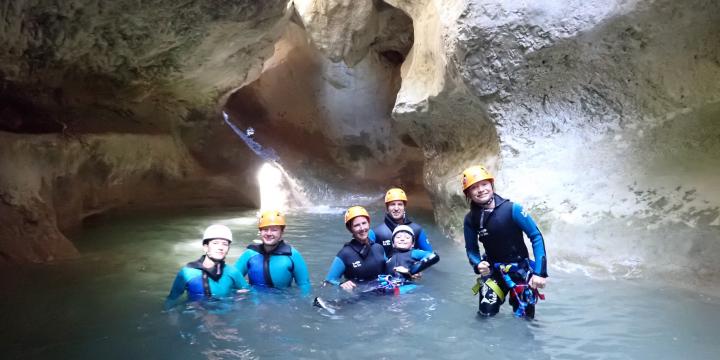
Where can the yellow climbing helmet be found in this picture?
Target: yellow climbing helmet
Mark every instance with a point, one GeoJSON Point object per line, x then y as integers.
{"type": "Point", "coordinates": [271, 217]}
{"type": "Point", "coordinates": [354, 212]}
{"type": "Point", "coordinates": [475, 174]}
{"type": "Point", "coordinates": [395, 194]}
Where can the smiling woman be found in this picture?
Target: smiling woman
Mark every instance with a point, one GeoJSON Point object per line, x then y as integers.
{"type": "Point", "coordinates": [359, 260]}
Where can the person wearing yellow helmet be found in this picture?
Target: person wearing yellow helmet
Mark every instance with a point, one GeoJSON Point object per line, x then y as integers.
{"type": "Point", "coordinates": [499, 225]}
{"type": "Point", "coordinates": [209, 277]}
{"type": "Point", "coordinates": [274, 263]}
{"type": "Point", "coordinates": [395, 203]}
{"type": "Point", "coordinates": [359, 260]}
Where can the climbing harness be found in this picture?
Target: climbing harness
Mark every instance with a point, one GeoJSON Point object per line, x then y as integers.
{"type": "Point", "coordinates": [522, 292]}
{"type": "Point", "coordinates": [390, 284]}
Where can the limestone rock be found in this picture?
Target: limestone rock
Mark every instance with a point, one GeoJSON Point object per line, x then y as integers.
{"type": "Point", "coordinates": [580, 108]}
{"type": "Point", "coordinates": [107, 104]}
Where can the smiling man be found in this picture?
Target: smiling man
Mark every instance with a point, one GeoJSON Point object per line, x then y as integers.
{"type": "Point", "coordinates": [274, 263]}
{"type": "Point", "coordinates": [209, 277]}
{"type": "Point", "coordinates": [395, 203]}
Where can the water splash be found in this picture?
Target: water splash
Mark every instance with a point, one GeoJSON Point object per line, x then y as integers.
{"type": "Point", "coordinates": [278, 190]}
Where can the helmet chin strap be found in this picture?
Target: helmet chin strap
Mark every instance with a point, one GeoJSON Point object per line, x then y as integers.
{"type": "Point", "coordinates": [489, 202]}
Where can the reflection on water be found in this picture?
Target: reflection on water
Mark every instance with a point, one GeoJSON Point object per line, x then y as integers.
{"type": "Point", "coordinates": [108, 304]}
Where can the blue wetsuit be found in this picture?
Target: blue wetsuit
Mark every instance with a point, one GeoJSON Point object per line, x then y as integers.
{"type": "Point", "coordinates": [500, 230]}
{"type": "Point", "coordinates": [276, 269]}
{"type": "Point", "coordinates": [382, 234]}
{"type": "Point", "coordinates": [357, 262]}
{"type": "Point", "coordinates": [201, 283]}
{"type": "Point", "coordinates": [414, 260]}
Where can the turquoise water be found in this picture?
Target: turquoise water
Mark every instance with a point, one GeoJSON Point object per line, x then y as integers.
{"type": "Point", "coordinates": [108, 304]}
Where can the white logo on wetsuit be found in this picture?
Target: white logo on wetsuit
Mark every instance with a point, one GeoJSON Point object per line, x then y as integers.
{"type": "Point", "coordinates": [483, 232]}
{"type": "Point", "coordinates": [386, 243]}
{"type": "Point", "coordinates": [357, 264]}
{"type": "Point", "coordinates": [488, 295]}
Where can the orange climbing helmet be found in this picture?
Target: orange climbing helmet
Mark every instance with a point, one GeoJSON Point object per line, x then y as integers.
{"type": "Point", "coordinates": [395, 194]}
{"type": "Point", "coordinates": [354, 212]}
{"type": "Point", "coordinates": [271, 217]}
{"type": "Point", "coordinates": [474, 174]}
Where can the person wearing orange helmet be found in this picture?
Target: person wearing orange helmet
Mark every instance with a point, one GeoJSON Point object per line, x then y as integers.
{"type": "Point", "coordinates": [274, 263]}
{"type": "Point", "coordinates": [395, 203]}
{"type": "Point", "coordinates": [360, 260]}
{"type": "Point", "coordinates": [499, 225]}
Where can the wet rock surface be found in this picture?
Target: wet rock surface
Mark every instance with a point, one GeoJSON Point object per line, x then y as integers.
{"type": "Point", "coordinates": [605, 119]}
{"type": "Point", "coordinates": [107, 104]}
{"type": "Point", "coordinates": [600, 117]}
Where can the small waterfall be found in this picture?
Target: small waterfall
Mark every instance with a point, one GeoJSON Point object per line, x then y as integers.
{"type": "Point", "coordinates": [267, 154]}
{"type": "Point", "coordinates": [278, 190]}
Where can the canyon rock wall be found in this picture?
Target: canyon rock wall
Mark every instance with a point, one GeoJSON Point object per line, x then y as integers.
{"type": "Point", "coordinates": [601, 117]}
{"type": "Point", "coordinates": [107, 104]}
{"type": "Point", "coordinates": [330, 121]}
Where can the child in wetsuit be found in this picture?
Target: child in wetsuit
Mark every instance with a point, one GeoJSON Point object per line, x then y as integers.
{"type": "Point", "coordinates": [400, 269]}
{"type": "Point", "coordinates": [406, 262]}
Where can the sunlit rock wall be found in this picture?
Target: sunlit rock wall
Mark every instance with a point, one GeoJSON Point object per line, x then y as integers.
{"type": "Point", "coordinates": [601, 117]}
{"type": "Point", "coordinates": [323, 102]}
{"type": "Point", "coordinates": [107, 104]}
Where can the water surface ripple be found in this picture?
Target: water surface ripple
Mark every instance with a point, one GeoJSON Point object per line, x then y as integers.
{"type": "Point", "coordinates": [108, 305]}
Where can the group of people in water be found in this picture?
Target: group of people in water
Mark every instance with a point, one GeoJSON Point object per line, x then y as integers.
{"type": "Point", "coordinates": [389, 256]}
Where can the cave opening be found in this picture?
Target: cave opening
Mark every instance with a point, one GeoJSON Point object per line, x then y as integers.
{"type": "Point", "coordinates": [331, 122]}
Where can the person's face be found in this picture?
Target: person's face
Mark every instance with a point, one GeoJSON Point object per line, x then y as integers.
{"type": "Point", "coordinates": [396, 209]}
{"type": "Point", "coordinates": [481, 192]}
{"type": "Point", "coordinates": [271, 235]}
{"type": "Point", "coordinates": [360, 227]}
{"type": "Point", "coordinates": [402, 241]}
{"type": "Point", "coordinates": [217, 248]}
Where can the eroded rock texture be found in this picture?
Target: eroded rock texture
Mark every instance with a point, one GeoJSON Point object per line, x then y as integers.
{"type": "Point", "coordinates": [330, 121]}
{"type": "Point", "coordinates": [122, 93]}
{"type": "Point", "coordinates": [601, 117]}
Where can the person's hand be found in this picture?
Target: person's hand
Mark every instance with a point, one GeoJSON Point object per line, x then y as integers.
{"type": "Point", "coordinates": [348, 285]}
{"type": "Point", "coordinates": [401, 269]}
{"type": "Point", "coordinates": [537, 282]}
{"type": "Point", "coordinates": [417, 276]}
{"type": "Point", "coordinates": [484, 268]}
